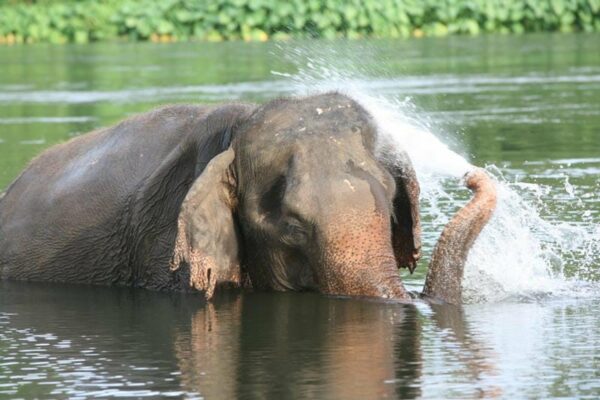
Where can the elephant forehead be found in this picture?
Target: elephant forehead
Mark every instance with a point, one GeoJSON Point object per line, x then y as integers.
{"type": "Point", "coordinates": [302, 119]}
{"type": "Point", "coordinates": [323, 148]}
{"type": "Point", "coordinates": [334, 154]}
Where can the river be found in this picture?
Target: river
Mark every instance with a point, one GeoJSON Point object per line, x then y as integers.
{"type": "Point", "coordinates": [525, 107]}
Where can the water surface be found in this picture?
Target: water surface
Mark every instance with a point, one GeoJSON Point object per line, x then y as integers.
{"type": "Point", "coordinates": [528, 107]}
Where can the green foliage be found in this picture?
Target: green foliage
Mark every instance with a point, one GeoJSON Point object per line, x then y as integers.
{"type": "Point", "coordinates": [80, 21]}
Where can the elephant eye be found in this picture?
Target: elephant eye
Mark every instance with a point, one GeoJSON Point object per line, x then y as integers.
{"type": "Point", "coordinates": [294, 234]}
{"type": "Point", "coordinates": [271, 201]}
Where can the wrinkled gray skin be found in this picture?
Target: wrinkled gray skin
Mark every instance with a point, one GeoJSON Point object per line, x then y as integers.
{"type": "Point", "coordinates": [294, 198]}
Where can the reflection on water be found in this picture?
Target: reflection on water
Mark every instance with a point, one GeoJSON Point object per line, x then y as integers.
{"type": "Point", "coordinates": [75, 341]}
{"type": "Point", "coordinates": [302, 346]}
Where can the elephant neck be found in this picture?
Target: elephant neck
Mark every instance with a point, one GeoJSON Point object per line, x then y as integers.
{"type": "Point", "coordinates": [444, 277]}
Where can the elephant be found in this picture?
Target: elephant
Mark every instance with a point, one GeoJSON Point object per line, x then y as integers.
{"type": "Point", "coordinates": [296, 194]}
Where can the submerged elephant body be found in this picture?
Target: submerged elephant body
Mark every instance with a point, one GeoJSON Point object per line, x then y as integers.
{"type": "Point", "coordinates": [292, 195]}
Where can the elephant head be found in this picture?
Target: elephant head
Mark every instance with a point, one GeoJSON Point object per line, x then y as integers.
{"type": "Point", "coordinates": [302, 201]}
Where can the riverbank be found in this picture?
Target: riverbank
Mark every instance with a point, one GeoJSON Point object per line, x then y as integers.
{"type": "Point", "coordinates": [66, 21]}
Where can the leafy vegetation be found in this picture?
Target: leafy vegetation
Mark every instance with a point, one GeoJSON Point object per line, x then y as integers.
{"type": "Point", "coordinates": [61, 21]}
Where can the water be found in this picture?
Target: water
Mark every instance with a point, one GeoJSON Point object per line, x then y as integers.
{"type": "Point", "coordinates": [526, 108]}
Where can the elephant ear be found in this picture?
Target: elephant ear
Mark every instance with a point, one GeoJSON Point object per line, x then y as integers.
{"type": "Point", "coordinates": [406, 223]}
{"type": "Point", "coordinates": [207, 238]}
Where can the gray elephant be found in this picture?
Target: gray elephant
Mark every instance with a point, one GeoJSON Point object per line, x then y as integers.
{"type": "Point", "coordinates": [290, 195]}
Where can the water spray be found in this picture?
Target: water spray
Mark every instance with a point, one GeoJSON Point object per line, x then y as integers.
{"type": "Point", "coordinates": [518, 254]}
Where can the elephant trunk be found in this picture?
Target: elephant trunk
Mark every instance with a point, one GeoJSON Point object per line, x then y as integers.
{"type": "Point", "coordinates": [360, 260]}
{"type": "Point", "coordinates": [445, 273]}
{"type": "Point", "coordinates": [369, 278]}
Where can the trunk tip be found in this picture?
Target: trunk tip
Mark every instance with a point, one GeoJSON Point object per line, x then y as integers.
{"type": "Point", "coordinates": [478, 178]}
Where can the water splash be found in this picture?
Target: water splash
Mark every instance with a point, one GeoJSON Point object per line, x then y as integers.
{"type": "Point", "coordinates": [519, 254]}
